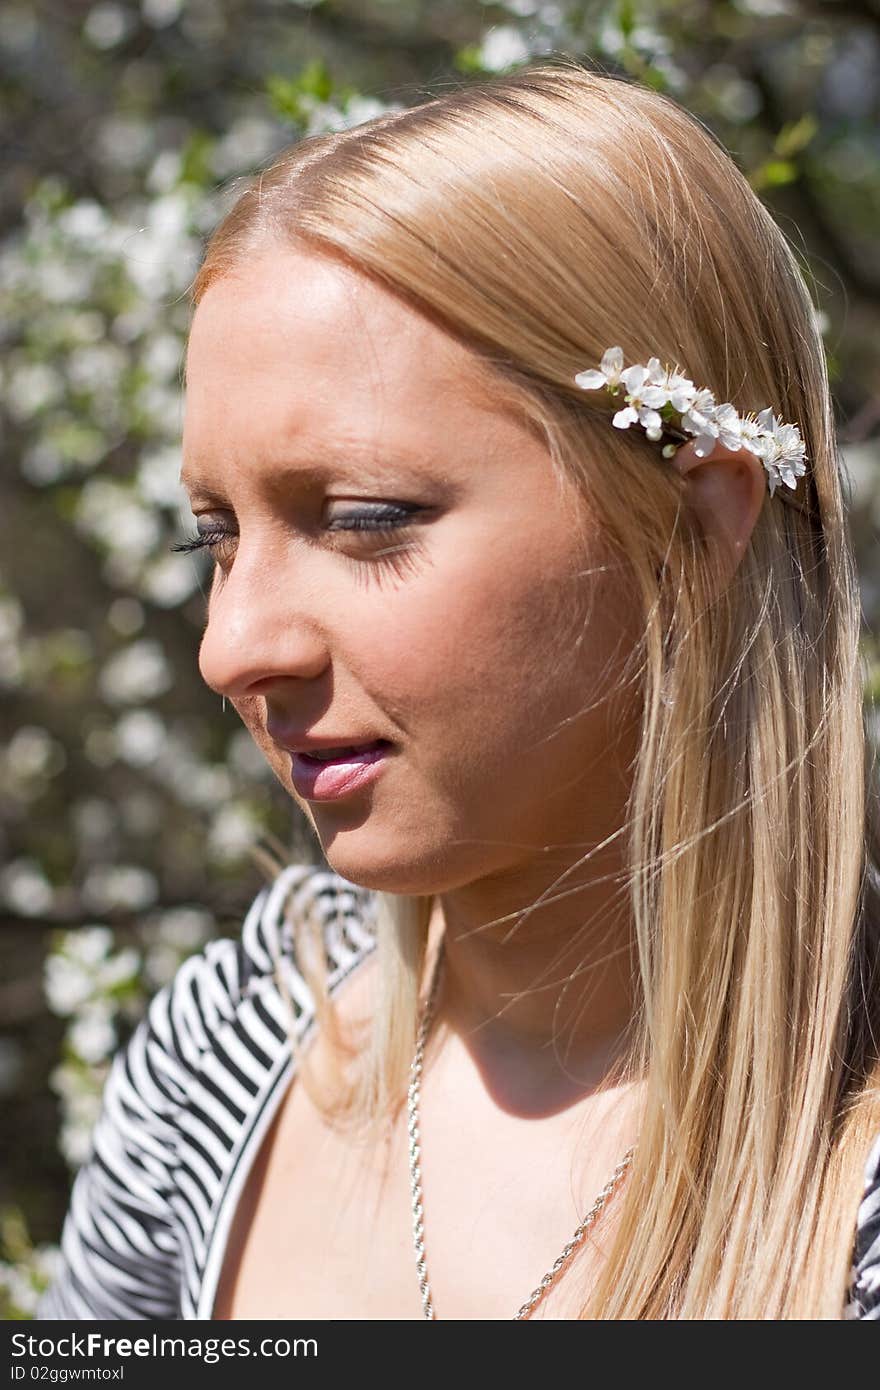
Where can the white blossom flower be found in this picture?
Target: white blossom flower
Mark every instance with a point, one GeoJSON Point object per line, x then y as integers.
{"type": "Point", "coordinates": [698, 420]}
{"type": "Point", "coordinates": [642, 397]}
{"type": "Point", "coordinates": [25, 889]}
{"type": "Point", "coordinates": [66, 985]}
{"type": "Point", "coordinates": [651, 389]}
{"type": "Point", "coordinates": [675, 388]}
{"type": "Point", "coordinates": [233, 830]}
{"type": "Point", "coordinates": [502, 47]}
{"type": "Point", "coordinates": [140, 734]}
{"type": "Point", "coordinates": [92, 1035]}
{"type": "Point", "coordinates": [607, 375]}
{"type": "Point", "coordinates": [138, 672]}
{"type": "Point", "coordinates": [782, 450]}
{"type": "Point", "coordinates": [711, 423]}
{"type": "Point", "coordinates": [88, 945]}
{"type": "Point", "coordinates": [111, 886]}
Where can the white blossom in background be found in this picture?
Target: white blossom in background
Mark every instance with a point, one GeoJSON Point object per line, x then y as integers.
{"type": "Point", "coordinates": [126, 616]}
{"type": "Point", "coordinates": [110, 887]}
{"type": "Point", "coordinates": [765, 9]}
{"type": "Point", "coordinates": [165, 171]}
{"type": "Point", "coordinates": [85, 222]}
{"type": "Point", "coordinates": [79, 1087]}
{"type": "Point", "coordinates": [24, 888]}
{"type": "Point", "coordinates": [107, 25]}
{"type": "Point", "coordinates": [93, 820]}
{"type": "Point", "coordinates": [160, 13]}
{"type": "Point", "coordinates": [861, 463]}
{"type": "Point", "coordinates": [162, 357]}
{"type": "Point", "coordinates": [735, 97]}
{"type": "Point", "coordinates": [125, 140]}
{"type": "Point", "coordinates": [158, 477]}
{"type": "Point", "coordinates": [169, 581]}
{"type": "Point", "coordinates": [193, 782]}
{"type": "Point", "coordinates": [25, 1281]}
{"type": "Point", "coordinates": [112, 513]}
{"type": "Point", "coordinates": [90, 983]}
{"type": "Point", "coordinates": [160, 407]}
{"type": "Point", "coordinates": [171, 937]}
{"type": "Point", "coordinates": [162, 256]}
{"type": "Point", "coordinates": [523, 9]}
{"type": "Point", "coordinates": [139, 672]}
{"type": "Point", "coordinates": [30, 387]}
{"type": "Point", "coordinates": [11, 618]}
{"type": "Point", "coordinates": [245, 145]}
{"type": "Point", "coordinates": [323, 116]}
{"type": "Point", "coordinates": [244, 757]}
{"type": "Point", "coordinates": [234, 829]}
{"type": "Point", "coordinates": [32, 751]}
{"type": "Point", "coordinates": [140, 736]}
{"type": "Point", "coordinates": [76, 969]}
{"type": "Point", "coordinates": [11, 626]}
{"type": "Point", "coordinates": [99, 746]}
{"type": "Point", "coordinates": [197, 784]}
{"type": "Point", "coordinates": [503, 46]}
{"type": "Point", "coordinates": [92, 1034]}
{"type": "Point", "coordinates": [644, 39]}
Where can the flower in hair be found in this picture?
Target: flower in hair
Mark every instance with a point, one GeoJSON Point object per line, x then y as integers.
{"type": "Point", "coordinates": [662, 401]}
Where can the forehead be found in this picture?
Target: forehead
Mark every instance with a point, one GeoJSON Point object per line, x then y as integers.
{"type": "Point", "coordinates": [299, 346]}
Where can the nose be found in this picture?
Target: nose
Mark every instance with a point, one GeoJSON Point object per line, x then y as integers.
{"type": "Point", "coordinates": [261, 628]}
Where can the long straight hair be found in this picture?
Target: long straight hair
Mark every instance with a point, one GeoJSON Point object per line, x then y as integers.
{"type": "Point", "coordinates": [541, 217]}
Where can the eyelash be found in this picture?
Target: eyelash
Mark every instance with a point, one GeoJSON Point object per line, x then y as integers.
{"type": "Point", "coordinates": [377, 523]}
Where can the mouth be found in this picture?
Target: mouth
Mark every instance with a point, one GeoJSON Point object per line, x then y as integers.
{"type": "Point", "coordinates": [328, 773]}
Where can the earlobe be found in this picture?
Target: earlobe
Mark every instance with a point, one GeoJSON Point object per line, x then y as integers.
{"type": "Point", "coordinates": [726, 490]}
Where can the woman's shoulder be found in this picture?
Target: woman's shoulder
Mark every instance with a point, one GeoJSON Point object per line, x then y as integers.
{"type": "Point", "coordinates": [178, 1095]}
{"type": "Point", "coordinates": [865, 1290]}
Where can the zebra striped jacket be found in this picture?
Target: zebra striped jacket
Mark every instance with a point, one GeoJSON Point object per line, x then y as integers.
{"type": "Point", "coordinates": [191, 1096]}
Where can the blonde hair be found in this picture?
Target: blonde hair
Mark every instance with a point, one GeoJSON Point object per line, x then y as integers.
{"type": "Point", "coordinates": [542, 217]}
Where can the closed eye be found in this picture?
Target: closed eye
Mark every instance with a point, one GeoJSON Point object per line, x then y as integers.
{"type": "Point", "coordinates": [387, 519]}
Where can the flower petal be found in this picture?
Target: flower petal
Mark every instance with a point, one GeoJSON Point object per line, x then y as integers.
{"type": "Point", "coordinates": [624, 418]}
{"type": "Point", "coordinates": [634, 377]}
{"type": "Point", "coordinates": [612, 361]}
{"type": "Point", "coordinates": [590, 381]}
{"type": "Point", "coordinates": [704, 445]}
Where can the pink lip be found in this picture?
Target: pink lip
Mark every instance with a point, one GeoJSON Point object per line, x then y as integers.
{"type": "Point", "coordinates": [324, 781]}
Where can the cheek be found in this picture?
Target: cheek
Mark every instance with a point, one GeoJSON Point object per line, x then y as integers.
{"type": "Point", "coordinates": [496, 656]}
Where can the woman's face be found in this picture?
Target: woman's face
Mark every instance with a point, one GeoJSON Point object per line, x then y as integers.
{"type": "Point", "coordinates": [478, 632]}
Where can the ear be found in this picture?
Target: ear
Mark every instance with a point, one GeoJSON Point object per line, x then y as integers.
{"type": "Point", "coordinates": [726, 490]}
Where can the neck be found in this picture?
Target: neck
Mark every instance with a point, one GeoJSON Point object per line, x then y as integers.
{"type": "Point", "coordinates": [542, 997]}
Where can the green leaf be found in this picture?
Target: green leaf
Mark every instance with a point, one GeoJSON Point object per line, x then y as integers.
{"type": "Point", "coordinates": [654, 77]}
{"type": "Point", "coordinates": [626, 18]}
{"type": "Point", "coordinates": [195, 165]}
{"type": "Point", "coordinates": [315, 80]}
{"type": "Point", "coordinates": [469, 59]}
{"type": "Point", "coordinates": [292, 97]}
{"type": "Point", "coordinates": [773, 173]}
{"type": "Point", "coordinates": [795, 136]}
{"type": "Point", "coordinates": [284, 98]}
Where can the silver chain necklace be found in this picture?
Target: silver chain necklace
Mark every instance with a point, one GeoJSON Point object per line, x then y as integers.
{"type": "Point", "coordinates": [415, 1174]}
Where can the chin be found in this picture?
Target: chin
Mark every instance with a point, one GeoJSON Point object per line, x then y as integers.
{"type": "Point", "coordinates": [380, 873]}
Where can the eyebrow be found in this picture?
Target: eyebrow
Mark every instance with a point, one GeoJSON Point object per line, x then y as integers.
{"type": "Point", "coordinates": [306, 474]}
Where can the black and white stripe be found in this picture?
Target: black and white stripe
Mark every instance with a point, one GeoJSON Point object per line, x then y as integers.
{"type": "Point", "coordinates": [186, 1105]}
{"type": "Point", "coordinates": [189, 1099]}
